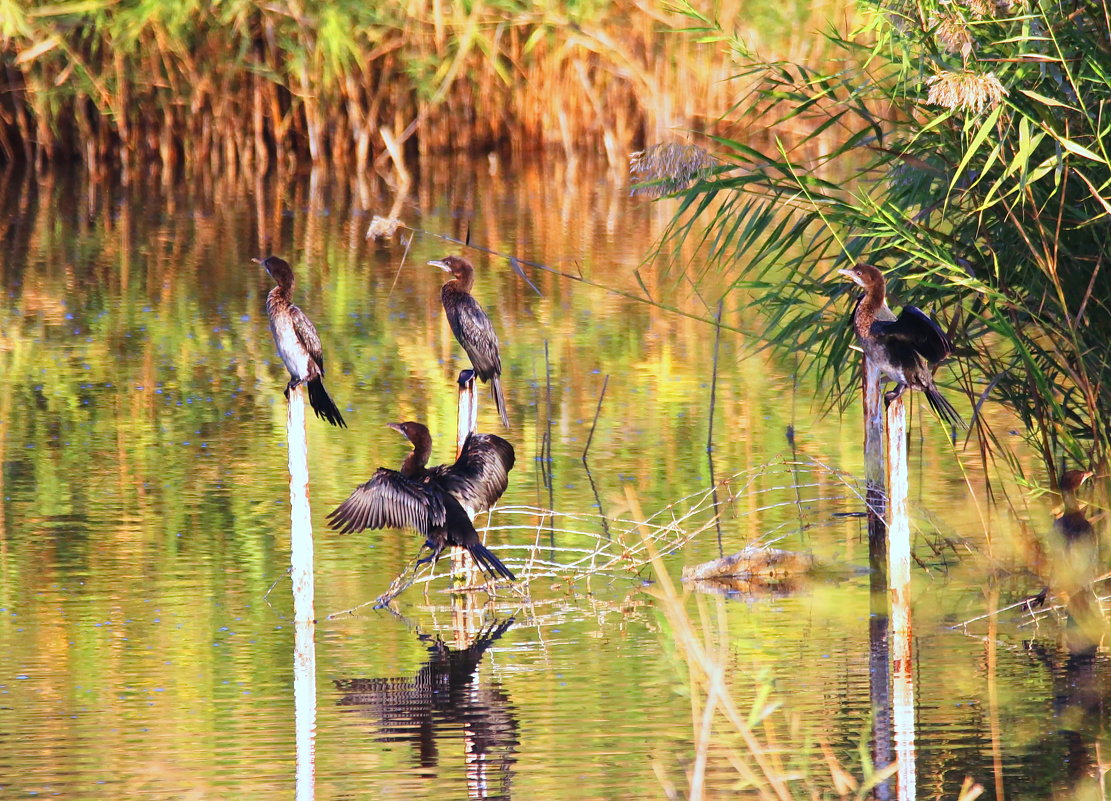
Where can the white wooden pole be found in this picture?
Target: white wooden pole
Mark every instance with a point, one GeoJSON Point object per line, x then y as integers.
{"type": "Point", "coordinates": [300, 515]}
{"type": "Point", "coordinates": [304, 623]}
{"type": "Point", "coordinates": [468, 410]}
{"type": "Point", "coordinates": [898, 576]}
{"type": "Point", "coordinates": [466, 423]}
{"type": "Point", "coordinates": [879, 673]}
{"type": "Point", "coordinates": [875, 496]}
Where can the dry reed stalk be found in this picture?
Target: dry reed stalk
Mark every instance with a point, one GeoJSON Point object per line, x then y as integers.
{"type": "Point", "coordinates": [315, 82]}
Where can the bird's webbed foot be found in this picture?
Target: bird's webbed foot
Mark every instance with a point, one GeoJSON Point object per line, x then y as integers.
{"type": "Point", "coordinates": [293, 384]}
{"type": "Point", "coordinates": [432, 557]}
{"type": "Point", "coordinates": [466, 377]}
{"type": "Point", "coordinates": [890, 396]}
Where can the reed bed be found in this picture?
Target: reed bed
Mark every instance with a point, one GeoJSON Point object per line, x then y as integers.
{"type": "Point", "coordinates": [246, 84]}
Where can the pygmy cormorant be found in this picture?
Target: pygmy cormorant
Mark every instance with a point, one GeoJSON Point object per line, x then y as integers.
{"type": "Point", "coordinates": [434, 500]}
{"type": "Point", "coordinates": [906, 348]}
{"type": "Point", "coordinates": [471, 326]}
{"type": "Point", "coordinates": [297, 341]}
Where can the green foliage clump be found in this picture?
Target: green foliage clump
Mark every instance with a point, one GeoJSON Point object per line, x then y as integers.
{"type": "Point", "coordinates": [963, 148]}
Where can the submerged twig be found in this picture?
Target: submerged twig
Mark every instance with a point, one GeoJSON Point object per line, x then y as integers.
{"type": "Point", "coordinates": [710, 427]}
{"type": "Point", "coordinates": [397, 275]}
{"type": "Point", "coordinates": [597, 412]}
{"type": "Point", "coordinates": [266, 595]}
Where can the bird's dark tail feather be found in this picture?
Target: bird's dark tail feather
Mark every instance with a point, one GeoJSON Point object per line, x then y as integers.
{"type": "Point", "coordinates": [322, 403]}
{"type": "Point", "coordinates": [499, 400]}
{"type": "Point", "coordinates": [944, 409]}
{"type": "Point", "coordinates": [488, 562]}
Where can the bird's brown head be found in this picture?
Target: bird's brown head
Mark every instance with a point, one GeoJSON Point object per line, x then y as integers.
{"type": "Point", "coordinates": [864, 275]}
{"type": "Point", "coordinates": [456, 265]}
{"type": "Point", "coordinates": [1072, 480]}
{"type": "Point", "coordinates": [421, 440]}
{"type": "Point", "coordinates": [412, 431]}
{"type": "Point", "coordinates": [279, 270]}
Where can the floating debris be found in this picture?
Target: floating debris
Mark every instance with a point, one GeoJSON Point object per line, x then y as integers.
{"type": "Point", "coordinates": [665, 168]}
{"type": "Point", "coordinates": [383, 227]}
{"type": "Point", "coordinates": [752, 561]}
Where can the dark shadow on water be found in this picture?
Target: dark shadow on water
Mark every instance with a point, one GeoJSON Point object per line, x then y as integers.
{"type": "Point", "coordinates": [444, 701]}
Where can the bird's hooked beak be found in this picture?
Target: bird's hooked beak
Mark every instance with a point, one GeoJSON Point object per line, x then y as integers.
{"type": "Point", "coordinates": [851, 276]}
{"type": "Point", "coordinates": [397, 427]}
{"type": "Point", "coordinates": [441, 264]}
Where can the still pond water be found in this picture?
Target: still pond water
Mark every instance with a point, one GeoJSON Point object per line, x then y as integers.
{"type": "Point", "coordinates": [145, 515]}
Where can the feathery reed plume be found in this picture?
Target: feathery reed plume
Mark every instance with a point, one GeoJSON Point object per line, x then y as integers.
{"type": "Point", "coordinates": [953, 34]}
{"type": "Point", "coordinates": [965, 90]}
{"type": "Point", "coordinates": [668, 167]}
{"type": "Point", "coordinates": [981, 8]}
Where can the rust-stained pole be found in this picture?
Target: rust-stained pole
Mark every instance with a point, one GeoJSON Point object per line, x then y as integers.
{"type": "Point", "coordinates": [875, 497]}
{"type": "Point", "coordinates": [898, 576]}
{"type": "Point", "coordinates": [301, 573]}
{"type": "Point", "coordinates": [468, 410]}
{"type": "Point", "coordinates": [300, 534]}
{"type": "Point", "coordinates": [879, 652]}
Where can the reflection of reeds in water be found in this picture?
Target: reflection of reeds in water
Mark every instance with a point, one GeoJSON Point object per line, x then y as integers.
{"type": "Point", "coordinates": [444, 699]}
{"type": "Point", "coordinates": [766, 747]}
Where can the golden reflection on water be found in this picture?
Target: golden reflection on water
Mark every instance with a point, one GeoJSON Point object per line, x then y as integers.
{"type": "Point", "coordinates": [144, 496]}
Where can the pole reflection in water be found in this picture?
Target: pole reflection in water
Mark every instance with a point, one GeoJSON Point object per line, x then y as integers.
{"type": "Point", "coordinates": [443, 699]}
{"type": "Point", "coordinates": [879, 652]}
{"type": "Point", "coordinates": [304, 707]}
{"type": "Point", "coordinates": [879, 676]}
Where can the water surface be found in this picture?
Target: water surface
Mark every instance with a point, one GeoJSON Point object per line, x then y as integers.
{"type": "Point", "coordinates": [145, 513]}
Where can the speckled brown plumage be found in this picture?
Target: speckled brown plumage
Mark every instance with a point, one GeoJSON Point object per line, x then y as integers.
{"type": "Point", "coordinates": [297, 341]}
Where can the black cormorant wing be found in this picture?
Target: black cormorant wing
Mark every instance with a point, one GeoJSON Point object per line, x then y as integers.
{"type": "Point", "coordinates": [916, 331]}
{"type": "Point", "coordinates": [476, 334]}
{"type": "Point", "coordinates": [481, 473]}
{"type": "Point", "coordinates": [306, 333]}
{"type": "Point", "coordinates": [389, 500]}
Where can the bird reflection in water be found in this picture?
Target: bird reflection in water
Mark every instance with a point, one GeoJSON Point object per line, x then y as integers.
{"type": "Point", "coordinates": [443, 700]}
{"type": "Point", "coordinates": [1080, 692]}
{"type": "Point", "coordinates": [1077, 668]}
{"type": "Point", "coordinates": [1075, 564]}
